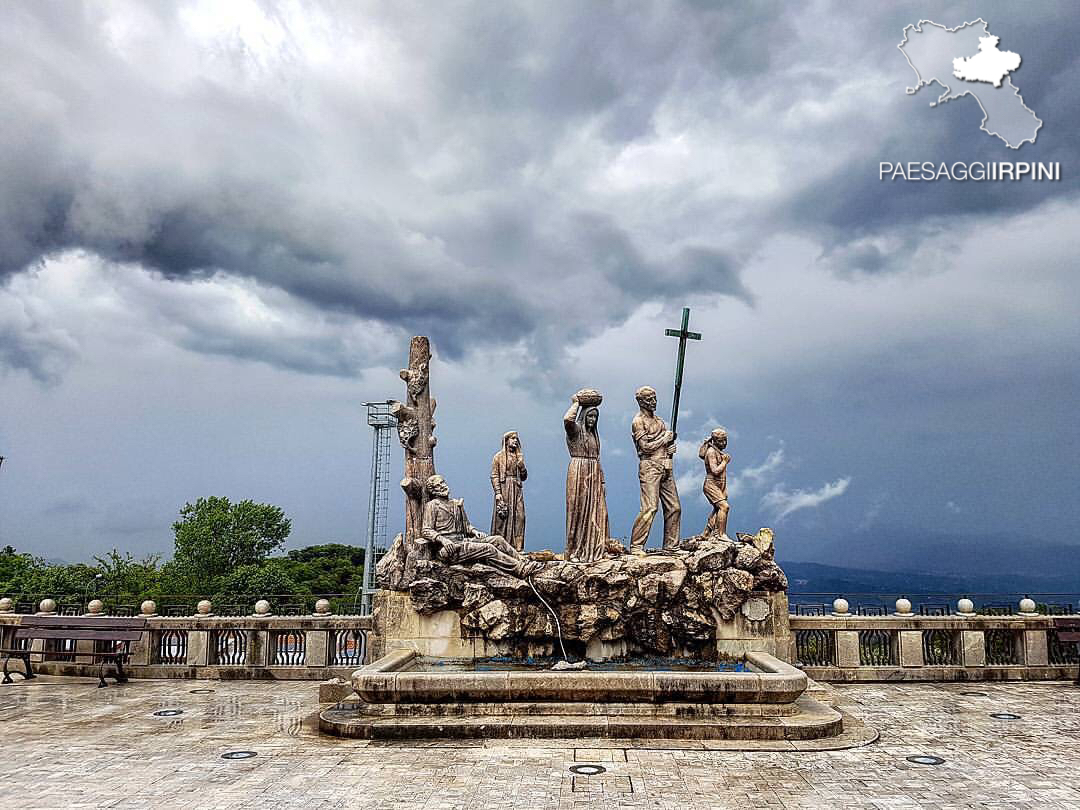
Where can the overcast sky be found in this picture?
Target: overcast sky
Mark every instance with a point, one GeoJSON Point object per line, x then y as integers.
{"type": "Point", "coordinates": [220, 223]}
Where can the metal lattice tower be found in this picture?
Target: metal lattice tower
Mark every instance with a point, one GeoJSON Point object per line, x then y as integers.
{"type": "Point", "coordinates": [382, 424]}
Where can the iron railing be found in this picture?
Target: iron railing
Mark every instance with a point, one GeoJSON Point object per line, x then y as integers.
{"type": "Point", "coordinates": [877, 648]}
{"type": "Point", "coordinates": [941, 648]}
{"type": "Point", "coordinates": [815, 648]}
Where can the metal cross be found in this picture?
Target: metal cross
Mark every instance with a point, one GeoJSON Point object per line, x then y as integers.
{"type": "Point", "coordinates": [683, 335]}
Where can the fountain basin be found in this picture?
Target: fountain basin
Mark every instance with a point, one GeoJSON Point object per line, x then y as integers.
{"type": "Point", "coordinates": [404, 695]}
{"type": "Point", "coordinates": [403, 677]}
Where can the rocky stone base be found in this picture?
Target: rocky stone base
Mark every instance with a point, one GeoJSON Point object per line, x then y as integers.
{"type": "Point", "coordinates": [763, 627]}
{"type": "Point", "coordinates": [708, 598]}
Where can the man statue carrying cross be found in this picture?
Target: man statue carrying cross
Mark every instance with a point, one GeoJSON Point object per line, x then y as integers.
{"type": "Point", "coordinates": [655, 447]}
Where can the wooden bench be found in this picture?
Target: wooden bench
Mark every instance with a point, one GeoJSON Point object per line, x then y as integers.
{"type": "Point", "coordinates": [1069, 630]}
{"type": "Point", "coordinates": [112, 639]}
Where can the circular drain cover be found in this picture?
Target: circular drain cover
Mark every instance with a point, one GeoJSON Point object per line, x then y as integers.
{"type": "Point", "coordinates": [974, 694]}
{"type": "Point", "coordinates": [168, 713]}
{"type": "Point", "coordinates": [1005, 716]}
{"type": "Point", "coordinates": [587, 770]}
{"type": "Point", "coordinates": [238, 755]}
{"type": "Point", "coordinates": [922, 759]}
{"type": "Point", "coordinates": [201, 691]}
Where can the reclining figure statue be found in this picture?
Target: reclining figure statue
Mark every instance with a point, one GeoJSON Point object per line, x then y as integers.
{"type": "Point", "coordinates": [449, 537]}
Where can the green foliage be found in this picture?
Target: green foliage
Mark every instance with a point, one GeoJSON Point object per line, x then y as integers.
{"type": "Point", "coordinates": [215, 537]}
{"type": "Point", "coordinates": [262, 579]}
{"type": "Point", "coordinates": [27, 574]}
{"type": "Point", "coordinates": [222, 551]}
{"type": "Point", "coordinates": [123, 574]}
{"type": "Point", "coordinates": [328, 568]}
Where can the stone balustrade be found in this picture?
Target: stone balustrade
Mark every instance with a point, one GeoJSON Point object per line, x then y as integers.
{"type": "Point", "coordinates": [964, 646]}
{"type": "Point", "coordinates": [902, 646]}
{"type": "Point", "coordinates": [315, 647]}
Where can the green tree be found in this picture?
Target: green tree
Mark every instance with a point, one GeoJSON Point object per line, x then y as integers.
{"type": "Point", "coordinates": [215, 537]}
{"type": "Point", "coordinates": [123, 575]}
{"type": "Point", "coordinates": [27, 575]}
{"type": "Point", "coordinates": [327, 568]}
{"type": "Point", "coordinates": [264, 579]}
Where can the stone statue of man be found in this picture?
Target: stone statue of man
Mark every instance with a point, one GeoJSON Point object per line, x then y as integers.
{"type": "Point", "coordinates": [655, 446]}
{"type": "Point", "coordinates": [448, 536]}
{"type": "Point", "coordinates": [715, 487]}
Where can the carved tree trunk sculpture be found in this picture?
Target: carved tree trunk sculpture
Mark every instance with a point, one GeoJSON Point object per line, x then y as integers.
{"type": "Point", "coordinates": [416, 432]}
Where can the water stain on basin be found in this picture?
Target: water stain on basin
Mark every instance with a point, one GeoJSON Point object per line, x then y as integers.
{"type": "Point", "coordinates": [642, 664]}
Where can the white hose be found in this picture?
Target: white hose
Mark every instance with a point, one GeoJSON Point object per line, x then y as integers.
{"type": "Point", "coordinates": [558, 627]}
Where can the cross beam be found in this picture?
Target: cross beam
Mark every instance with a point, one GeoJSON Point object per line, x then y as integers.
{"type": "Point", "coordinates": [683, 334]}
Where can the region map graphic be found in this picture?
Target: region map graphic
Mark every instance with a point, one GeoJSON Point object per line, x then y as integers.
{"type": "Point", "coordinates": [967, 61]}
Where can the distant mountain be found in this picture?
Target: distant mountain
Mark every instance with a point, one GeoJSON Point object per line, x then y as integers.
{"type": "Point", "coordinates": [984, 559]}
{"type": "Point", "coordinates": [806, 577]}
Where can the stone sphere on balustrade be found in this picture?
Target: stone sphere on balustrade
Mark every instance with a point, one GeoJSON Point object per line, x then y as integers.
{"type": "Point", "coordinates": [840, 606]}
{"type": "Point", "coordinates": [1027, 605]}
{"type": "Point", "coordinates": [204, 607]}
{"type": "Point", "coordinates": [148, 608]}
{"type": "Point", "coordinates": [96, 607]}
{"type": "Point", "coordinates": [262, 608]}
{"type": "Point", "coordinates": [47, 606]}
{"type": "Point", "coordinates": [6, 605]}
{"type": "Point", "coordinates": [903, 606]}
{"type": "Point", "coordinates": [322, 607]}
{"type": "Point", "coordinates": [965, 607]}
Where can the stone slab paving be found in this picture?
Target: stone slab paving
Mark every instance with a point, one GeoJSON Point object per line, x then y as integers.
{"type": "Point", "coordinates": [68, 744]}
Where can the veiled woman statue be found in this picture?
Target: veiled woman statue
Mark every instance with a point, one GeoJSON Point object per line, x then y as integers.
{"type": "Point", "coordinates": [586, 496]}
{"type": "Point", "coordinates": [507, 473]}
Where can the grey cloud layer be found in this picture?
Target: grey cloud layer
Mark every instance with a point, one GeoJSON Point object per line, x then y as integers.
{"type": "Point", "coordinates": [411, 178]}
{"type": "Point", "coordinates": [486, 172]}
{"type": "Point", "coordinates": [540, 187]}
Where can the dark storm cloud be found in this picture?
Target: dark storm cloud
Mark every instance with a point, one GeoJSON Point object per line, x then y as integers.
{"type": "Point", "coordinates": [451, 173]}
{"type": "Point", "coordinates": [224, 165]}
{"type": "Point", "coordinates": [852, 204]}
{"type": "Point", "coordinates": [200, 199]}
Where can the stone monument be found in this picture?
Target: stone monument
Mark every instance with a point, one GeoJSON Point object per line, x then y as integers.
{"type": "Point", "coordinates": [446, 535]}
{"type": "Point", "coordinates": [508, 474]}
{"type": "Point", "coordinates": [586, 496]}
{"type": "Point", "coordinates": [655, 448]}
{"type": "Point", "coordinates": [715, 488]}
{"type": "Point", "coordinates": [449, 590]}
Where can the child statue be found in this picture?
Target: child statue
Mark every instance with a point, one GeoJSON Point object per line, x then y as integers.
{"type": "Point", "coordinates": [715, 488]}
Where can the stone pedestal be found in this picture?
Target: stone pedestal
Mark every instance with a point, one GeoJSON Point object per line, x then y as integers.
{"type": "Point", "coordinates": [974, 646]}
{"type": "Point", "coordinates": [198, 646]}
{"type": "Point", "coordinates": [398, 625]}
{"type": "Point", "coordinates": [911, 648]}
{"type": "Point", "coordinates": [1036, 653]}
{"type": "Point", "coordinates": [316, 647]}
{"type": "Point", "coordinates": [761, 625]}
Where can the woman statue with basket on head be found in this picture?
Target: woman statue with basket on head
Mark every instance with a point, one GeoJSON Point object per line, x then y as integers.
{"type": "Point", "coordinates": [586, 495]}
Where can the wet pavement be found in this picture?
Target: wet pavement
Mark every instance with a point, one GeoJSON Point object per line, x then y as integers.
{"type": "Point", "coordinates": [68, 744]}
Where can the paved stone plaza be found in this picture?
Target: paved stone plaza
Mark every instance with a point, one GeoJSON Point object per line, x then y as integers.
{"type": "Point", "coordinates": [68, 744]}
